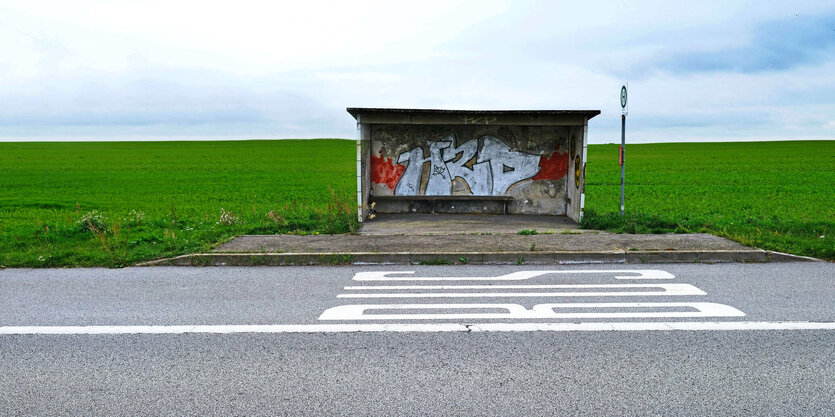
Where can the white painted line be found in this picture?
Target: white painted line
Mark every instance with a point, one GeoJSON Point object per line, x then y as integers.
{"type": "Point", "coordinates": [492, 286]}
{"type": "Point", "coordinates": [514, 276]}
{"type": "Point", "coordinates": [410, 327]}
{"type": "Point", "coordinates": [645, 326]}
{"type": "Point", "coordinates": [539, 311]}
{"type": "Point", "coordinates": [666, 290]}
{"type": "Point", "coordinates": [507, 294]}
{"type": "Point", "coordinates": [221, 329]}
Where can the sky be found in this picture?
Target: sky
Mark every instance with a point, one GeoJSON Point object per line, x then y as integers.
{"type": "Point", "coordinates": [162, 70]}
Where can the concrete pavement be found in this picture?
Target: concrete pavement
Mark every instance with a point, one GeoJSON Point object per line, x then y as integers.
{"type": "Point", "coordinates": [463, 224]}
{"type": "Point", "coordinates": [475, 239]}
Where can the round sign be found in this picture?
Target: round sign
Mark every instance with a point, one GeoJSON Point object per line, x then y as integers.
{"type": "Point", "coordinates": [623, 97]}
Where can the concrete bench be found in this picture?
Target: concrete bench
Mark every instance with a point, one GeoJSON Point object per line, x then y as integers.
{"type": "Point", "coordinates": [442, 204]}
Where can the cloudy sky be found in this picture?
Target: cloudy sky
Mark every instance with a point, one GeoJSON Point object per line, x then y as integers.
{"type": "Point", "coordinates": [697, 70]}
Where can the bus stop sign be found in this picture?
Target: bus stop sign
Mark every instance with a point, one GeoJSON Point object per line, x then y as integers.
{"type": "Point", "coordinates": [623, 97]}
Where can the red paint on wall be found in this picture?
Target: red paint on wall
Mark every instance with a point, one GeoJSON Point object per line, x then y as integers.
{"type": "Point", "coordinates": [552, 168]}
{"type": "Point", "coordinates": [385, 171]}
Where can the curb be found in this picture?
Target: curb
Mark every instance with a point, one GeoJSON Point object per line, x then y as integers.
{"type": "Point", "coordinates": [477, 258]}
{"type": "Point", "coordinates": [774, 256]}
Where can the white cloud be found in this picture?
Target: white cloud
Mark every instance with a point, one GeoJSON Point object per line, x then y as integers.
{"type": "Point", "coordinates": [176, 69]}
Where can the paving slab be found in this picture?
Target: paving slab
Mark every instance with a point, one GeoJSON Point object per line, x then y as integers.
{"type": "Point", "coordinates": [421, 224]}
{"type": "Point", "coordinates": [555, 242]}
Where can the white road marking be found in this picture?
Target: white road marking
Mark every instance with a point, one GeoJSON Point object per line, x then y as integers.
{"type": "Point", "coordinates": [539, 311]}
{"type": "Point", "coordinates": [666, 290]}
{"type": "Point", "coordinates": [426, 327]}
{"type": "Point", "coordinates": [492, 286]}
{"type": "Point", "coordinates": [514, 276]}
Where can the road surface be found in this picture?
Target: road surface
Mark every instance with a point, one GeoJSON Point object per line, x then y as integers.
{"type": "Point", "coordinates": [679, 339]}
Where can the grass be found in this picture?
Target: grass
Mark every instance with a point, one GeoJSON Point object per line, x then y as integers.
{"type": "Point", "coordinates": [771, 195]}
{"type": "Point", "coordinates": [114, 204]}
{"type": "Point", "coordinates": [438, 261]}
{"type": "Point", "coordinates": [117, 203]}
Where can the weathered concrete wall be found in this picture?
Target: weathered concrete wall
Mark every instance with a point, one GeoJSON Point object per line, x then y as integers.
{"type": "Point", "coordinates": [576, 184]}
{"type": "Point", "coordinates": [529, 163]}
{"type": "Point", "coordinates": [363, 169]}
{"type": "Point", "coordinates": [537, 162]}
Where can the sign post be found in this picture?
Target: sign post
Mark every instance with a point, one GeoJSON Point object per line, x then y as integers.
{"type": "Point", "coordinates": [622, 156]}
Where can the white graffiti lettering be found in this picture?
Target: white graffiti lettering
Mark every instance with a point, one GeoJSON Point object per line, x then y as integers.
{"type": "Point", "coordinates": [409, 183]}
{"type": "Point", "coordinates": [508, 167]}
{"type": "Point", "coordinates": [489, 172]}
{"type": "Point", "coordinates": [439, 182]}
{"type": "Point", "coordinates": [478, 177]}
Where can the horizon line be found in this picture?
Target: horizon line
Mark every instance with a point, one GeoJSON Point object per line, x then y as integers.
{"type": "Point", "coordinates": [637, 142]}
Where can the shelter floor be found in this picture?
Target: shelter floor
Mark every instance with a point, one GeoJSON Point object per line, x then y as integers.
{"type": "Point", "coordinates": [574, 243]}
{"type": "Point", "coordinates": [453, 224]}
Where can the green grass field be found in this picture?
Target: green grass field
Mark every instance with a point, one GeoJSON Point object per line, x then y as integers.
{"type": "Point", "coordinates": [114, 204]}
{"type": "Point", "coordinates": [772, 195]}
{"type": "Point", "coordinates": [147, 200]}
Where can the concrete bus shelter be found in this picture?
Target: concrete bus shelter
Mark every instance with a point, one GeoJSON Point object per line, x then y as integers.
{"type": "Point", "coordinates": [471, 161]}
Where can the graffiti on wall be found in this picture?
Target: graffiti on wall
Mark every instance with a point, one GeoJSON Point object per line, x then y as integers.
{"type": "Point", "coordinates": [491, 170]}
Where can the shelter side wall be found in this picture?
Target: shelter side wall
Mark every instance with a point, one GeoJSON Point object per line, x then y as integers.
{"type": "Point", "coordinates": [575, 185]}
{"type": "Point", "coordinates": [364, 169]}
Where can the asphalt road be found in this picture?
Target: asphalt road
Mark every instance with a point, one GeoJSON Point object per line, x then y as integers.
{"type": "Point", "coordinates": [298, 365]}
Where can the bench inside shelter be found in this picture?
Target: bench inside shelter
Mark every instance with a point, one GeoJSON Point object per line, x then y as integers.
{"type": "Point", "coordinates": [482, 204]}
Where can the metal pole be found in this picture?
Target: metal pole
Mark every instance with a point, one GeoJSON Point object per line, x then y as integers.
{"type": "Point", "coordinates": [623, 156]}
{"type": "Point", "coordinates": [359, 171]}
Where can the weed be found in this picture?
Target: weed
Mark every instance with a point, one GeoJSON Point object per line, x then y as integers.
{"type": "Point", "coordinates": [227, 217]}
{"type": "Point", "coordinates": [337, 259]}
{"type": "Point", "coordinates": [276, 218]}
{"type": "Point", "coordinates": [101, 235]}
{"type": "Point", "coordinates": [257, 261]}
{"type": "Point", "coordinates": [92, 220]}
{"type": "Point", "coordinates": [533, 246]}
{"type": "Point", "coordinates": [520, 261]}
{"type": "Point", "coordinates": [528, 232]}
{"type": "Point", "coordinates": [172, 212]}
{"type": "Point", "coordinates": [435, 262]}
{"type": "Point", "coordinates": [134, 218]}
{"type": "Point", "coordinates": [199, 260]}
